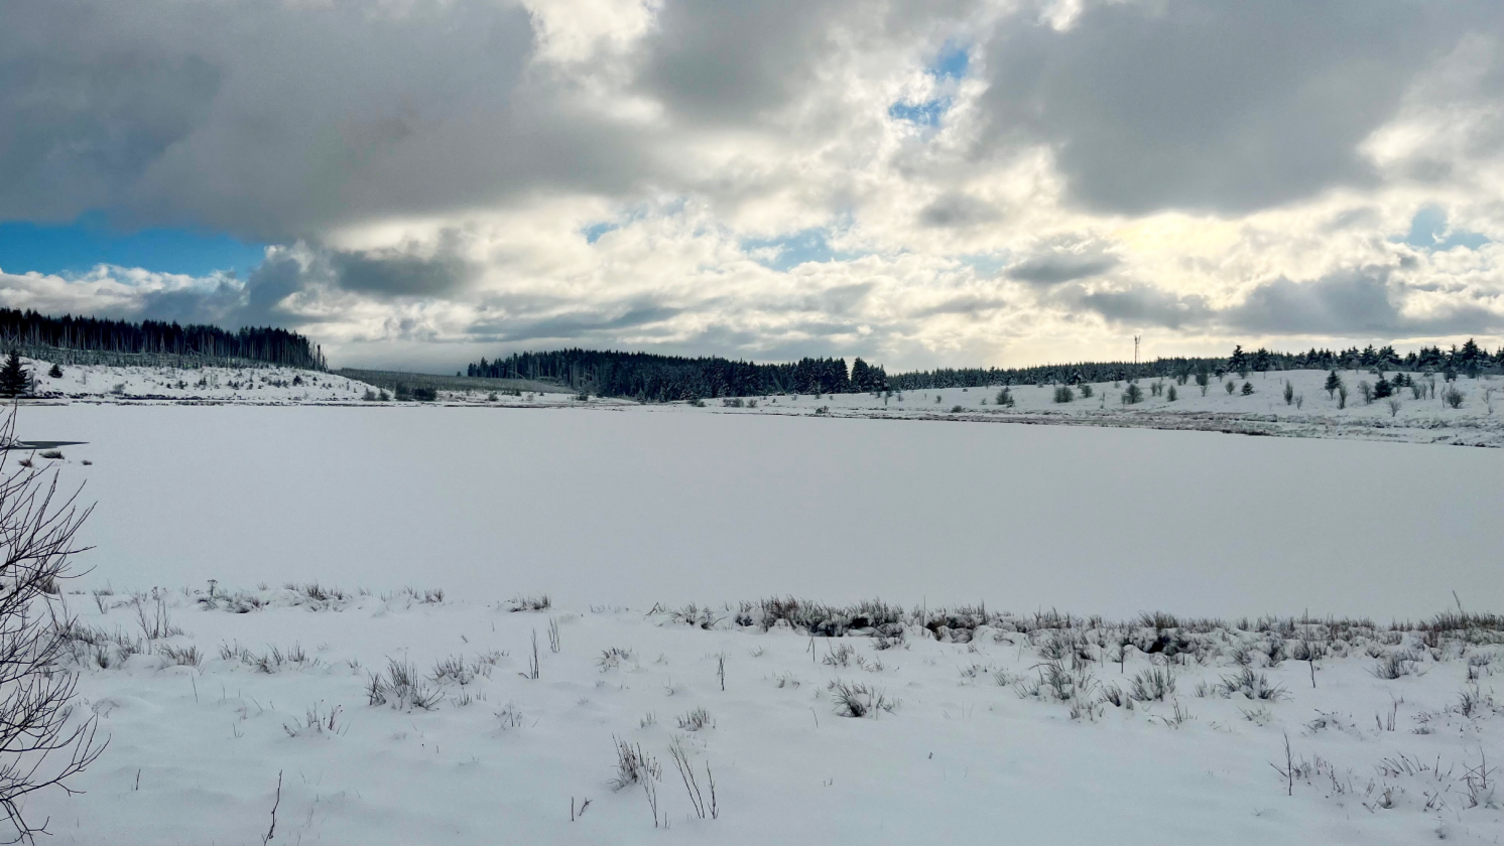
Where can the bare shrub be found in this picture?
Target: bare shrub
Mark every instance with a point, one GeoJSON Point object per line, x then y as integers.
{"type": "Point", "coordinates": [838, 656]}
{"type": "Point", "coordinates": [633, 766]}
{"type": "Point", "coordinates": [401, 688]}
{"type": "Point", "coordinates": [1252, 685]}
{"type": "Point", "coordinates": [316, 721]}
{"type": "Point", "coordinates": [702, 805]}
{"type": "Point", "coordinates": [541, 602]}
{"type": "Point", "coordinates": [695, 720]}
{"type": "Point", "coordinates": [612, 658]}
{"type": "Point", "coordinates": [859, 700]}
{"type": "Point", "coordinates": [187, 656]}
{"type": "Point", "coordinates": [1154, 685]}
{"type": "Point", "coordinates": [38, 747]}
{"type": "Point", "coordinates": [1394, 665]}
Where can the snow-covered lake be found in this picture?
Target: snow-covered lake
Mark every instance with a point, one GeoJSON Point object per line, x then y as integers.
{"type": "Point", "coordinates": [628, 506]}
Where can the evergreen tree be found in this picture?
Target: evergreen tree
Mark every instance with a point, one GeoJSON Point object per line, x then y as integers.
{"type": "Point", "coordinates": [14, 380]}
{"type": "Point", "coordinates": [1238, 362]}
{"type": "Point", "coordinates": [55, 373]}
{"type": "Point", "coordinates": [1247, 388]}
{"type": "Point", "coordinates": [1382, 388]}
{"type": "Point", "coordinates": [1333, 382]}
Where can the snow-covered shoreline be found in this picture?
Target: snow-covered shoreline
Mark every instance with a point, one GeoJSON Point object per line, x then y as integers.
{"type": "Point", "coordinates": [1026, 724]}
{"type": "Point", "coordinates": [1410, 415]}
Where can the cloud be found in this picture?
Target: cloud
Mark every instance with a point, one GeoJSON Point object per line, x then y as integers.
{"type": "Point", "coordinates": [1064, 262]}
{"type": "Point", "coordinates": [1141, 305]}
{"type": "Point", "coordinates": [1225, 107]}
{"type": "Point", "coordinates": [954, 209]}
{"type": "Point", "coordinates": [444, 179]}
{"type": "Point", "coordinates": [1359, 303]}
{"type": "Point", "coordinates": [280, 121]}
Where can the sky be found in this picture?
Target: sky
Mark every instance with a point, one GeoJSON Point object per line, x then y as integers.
{"type": "Point", "coordinates": [416, 184]}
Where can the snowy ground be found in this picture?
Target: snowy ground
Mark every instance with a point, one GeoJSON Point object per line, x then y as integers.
{"type": "Point", "coordinates": [1001, 726]}
{"type": "Point", "coordinates": [634, 508]}
{"type": "Point", "coordinates": [978, 745]}
{"type": "Point", "coordinates": [1309, 413]}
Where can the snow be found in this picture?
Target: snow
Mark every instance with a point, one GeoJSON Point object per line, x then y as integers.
{"type": "Point", "coordinates": [620, 511]}
{"type": "Point", "coordinates": [1311, 413]}
{"type": "Point", "coordinates": [1264, 412]}
{"type": "Point", "coordinates": [260, 385]}
{"type": "Point", "coordinates": [196, 752]}
{"type": "Point", "coordinates": [634, 506]}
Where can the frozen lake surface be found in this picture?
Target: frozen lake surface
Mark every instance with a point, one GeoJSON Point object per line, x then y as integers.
{"type": "Point", "coordinates": [632, 506]}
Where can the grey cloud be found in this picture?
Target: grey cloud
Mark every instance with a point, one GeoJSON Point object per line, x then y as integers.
{"type": "Point", "coordinates": [1357, 303]}
{"type": "Point", "coordinates": [958, 211]}
{"type": "Point", "coordinates": [1063, 258]}
{"type": "Point", "coordinates": [1057, 267]}
{"type": "Point", "coordinates": [277, 121]}
{"type": "Point", "coordinates": [573, 326]}
{"type": "Point", "coordinates": [398, 272]}
{"type": "Point", "coordinates": [1139, 304]}
{"type": "Point", "coordinates": [964, 304]}
{"type": "Point", "coordinates": [731, 61]}
{"type": "Point", "coordinates": [1222, 106]}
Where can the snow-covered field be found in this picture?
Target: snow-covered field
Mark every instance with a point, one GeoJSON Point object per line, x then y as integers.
{"type": "Point", "coordinates": [1478, 421]}
{"type": "Point", "coordinates": [1417, 414]}
{"type": "Point", "coordinates": [344, 536]}
{"type": "Point", "coordinates": [259, 385]}
{"type": "Point", "coordinates": [1019, 729]}
{"type": "Point", "coordinates": [625, 507]}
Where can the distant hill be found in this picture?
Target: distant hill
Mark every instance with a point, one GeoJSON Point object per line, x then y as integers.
{"type": "Point", "coordinates": [649, 377]}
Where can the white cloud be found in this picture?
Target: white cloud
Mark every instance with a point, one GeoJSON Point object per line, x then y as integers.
{"type": "Point", "coordinates": [432, 169]}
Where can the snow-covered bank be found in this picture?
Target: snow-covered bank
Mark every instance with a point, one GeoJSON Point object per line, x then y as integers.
{"type": "Point", "coordinates": [1418, 413]}
{"type": "Point", "coordinates": [633, 508]}
{"type": "Point", "coordinates": [979, 743]}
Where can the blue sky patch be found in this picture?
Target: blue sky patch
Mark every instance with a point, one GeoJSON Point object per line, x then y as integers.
{"type": "Point", "coordinates": [77, 247]}
{"type": "Point", "coordinates": [952, 63]}
{"type": "Point", "coordinates": [927, 113]}
{"type": "Point", "coordinates": [986, 265]}
{"type": "Point", "coordinates": [594, 231]}
{"type": "Point", "coordinates": [790, 251]}
{"type": "Point", "coordinates": [1428, 231]}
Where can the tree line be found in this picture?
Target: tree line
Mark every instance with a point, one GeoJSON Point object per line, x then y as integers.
{"type": "Point", "coordinates": [35, 333]}
{"type": "Point", "coordinates": [649, 377]}
{"type": "Point", "coordinates": [1469, 359]}
{"type": "Point", "coordinates": [663, 378]}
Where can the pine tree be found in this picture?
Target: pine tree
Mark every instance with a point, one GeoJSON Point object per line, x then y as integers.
{"type": "Point", "coordinates": [14, 380]}
{"type": "Point", "coordinates": [55, 373]}
{"type": "Point", "coordinates": [1239, 361]}
{"type": "Point", "coordinates": [1333, 382]}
